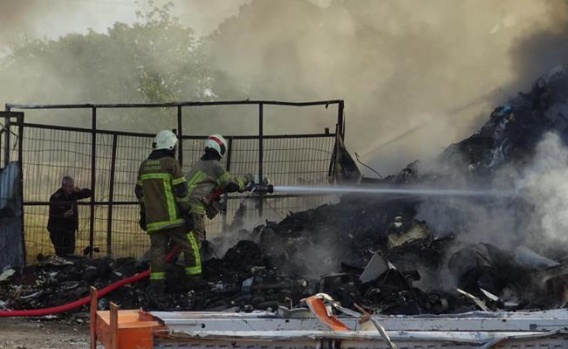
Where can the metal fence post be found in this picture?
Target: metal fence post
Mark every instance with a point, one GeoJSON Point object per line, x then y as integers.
{"type": "Point", "coordinates": [339, 132]}
{"type": "Point", "coordinates": [111, 194]}
{"type": "Point", "coordinates": [228, 167]}
{"type": "Point", "coordinates": [341, 118]}
{"type": "Point", "coordinates": [93, 182]}
{"type": "Point", "coordinates": [20, 122]}
{"type": "Point", "coordinates": [260, 154]}
{"type": "Point", "coordinates": [180, 134]}
{"type": "Point", "coordinates": [7, 139]}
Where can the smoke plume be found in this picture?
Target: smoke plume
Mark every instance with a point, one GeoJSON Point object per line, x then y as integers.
{"type": "Point", "coordinates": [415, 76]}
{"type": "Point", "coordinates": [544, 186]}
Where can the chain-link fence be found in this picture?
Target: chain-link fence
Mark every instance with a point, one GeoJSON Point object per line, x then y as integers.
{"type": "Point", "coordinates": [107, 161]}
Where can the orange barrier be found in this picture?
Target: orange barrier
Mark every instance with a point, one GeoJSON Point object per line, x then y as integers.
{"type": "Point", "coordinates": [124, 329]}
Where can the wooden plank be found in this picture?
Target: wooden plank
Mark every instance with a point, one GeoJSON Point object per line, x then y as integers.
{"type": "Point", "coordinates": [113, 326]}
{"type": "Point", "coordinates": [93, 317]}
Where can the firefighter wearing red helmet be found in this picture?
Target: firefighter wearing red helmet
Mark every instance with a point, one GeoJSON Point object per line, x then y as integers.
{"type": "Point", "coordinates": [162, 192]}
{"type": "Point", "coordinates": [206, 180]}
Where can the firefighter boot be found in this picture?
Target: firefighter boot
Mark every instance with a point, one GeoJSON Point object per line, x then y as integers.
{"type": "Point", "coordinates": [156, 293]}
{"type": "Point", "coordinates": [195, 282]}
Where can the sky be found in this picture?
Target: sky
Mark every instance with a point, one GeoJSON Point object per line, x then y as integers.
{"type": "Point", "coordinates": [54, 18]}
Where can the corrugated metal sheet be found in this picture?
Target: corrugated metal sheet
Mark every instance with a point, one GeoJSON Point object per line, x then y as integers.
{"type": "Point", "coordinates": [209, 330]}
{"type": "Point", "coordinates": [11, 242]}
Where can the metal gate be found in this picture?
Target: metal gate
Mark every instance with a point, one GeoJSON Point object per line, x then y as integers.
{"type": "Point", "coordinates": [107, 161]}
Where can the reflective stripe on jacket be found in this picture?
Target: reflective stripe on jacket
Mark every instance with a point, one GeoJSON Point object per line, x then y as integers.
{"type": "Point", "coordinates": [207, 176]}
{"type": "Point", "coordinates": [161, 190]}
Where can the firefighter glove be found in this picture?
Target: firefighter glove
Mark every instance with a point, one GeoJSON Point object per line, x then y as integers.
{"type": "Point", "coordinates": [206, 249]}
{"type": "Point", "coordinates": [214, 208]}
{"type": "Point", "coordinates": [249, 178]}
{"type": "Point", "coordinates": [142, 220]}
{"type": "Point", "coordinates": [188, 221]}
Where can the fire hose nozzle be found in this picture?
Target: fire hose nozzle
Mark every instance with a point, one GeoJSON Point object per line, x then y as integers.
{"type": "Point", "coordinates": [262, 188]}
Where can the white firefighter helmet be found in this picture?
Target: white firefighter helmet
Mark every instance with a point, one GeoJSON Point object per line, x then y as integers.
{"type": "Point", "coordinates": [218, 143]}
{"type": "Point", "coordinates": [165, 139]}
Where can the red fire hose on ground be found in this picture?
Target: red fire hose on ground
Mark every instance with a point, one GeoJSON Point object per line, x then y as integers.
{"type": "Point", "coordinates": [85, 300]}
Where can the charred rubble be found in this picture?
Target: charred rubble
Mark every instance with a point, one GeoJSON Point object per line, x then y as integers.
{"type": "Point", "coordinates": [377, 252]}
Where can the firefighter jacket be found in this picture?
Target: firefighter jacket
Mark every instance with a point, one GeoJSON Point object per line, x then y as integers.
{"type": "Point", "coordinates": [207, 178]}
{"type": "Point", "coordinates": [161, 190]}
{"type": "Point", "coordinates": [59, 203]}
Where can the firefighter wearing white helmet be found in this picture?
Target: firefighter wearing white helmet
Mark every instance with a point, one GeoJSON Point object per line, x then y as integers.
{"type": "Point", "coordinates": [207, 180]}
{"type": "Point", "coordinates": [166, 140]}
{"type": "Point", "coordinates": [162, 192]}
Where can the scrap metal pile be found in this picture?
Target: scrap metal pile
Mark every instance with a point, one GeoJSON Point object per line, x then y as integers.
{"type": "Point", "coordinates": [381, 252]}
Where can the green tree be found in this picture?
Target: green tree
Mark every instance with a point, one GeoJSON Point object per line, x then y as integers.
{"type": "Point", "coordinates": [156, 59]}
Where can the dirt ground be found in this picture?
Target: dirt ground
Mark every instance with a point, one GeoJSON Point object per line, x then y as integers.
{"type": "Point", "coordinates": [22, 333]}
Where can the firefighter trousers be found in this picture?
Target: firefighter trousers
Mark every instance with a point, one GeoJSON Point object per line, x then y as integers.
{"type": "Point", "coordinates": [199, 227]}
{"type": "Point", "coordinates": [188, 245]}
{"type": "Point", "coordinates": [63, 241]}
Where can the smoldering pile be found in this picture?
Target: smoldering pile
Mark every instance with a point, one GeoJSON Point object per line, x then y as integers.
{"type": "Point", "coordinates": [393, 255]}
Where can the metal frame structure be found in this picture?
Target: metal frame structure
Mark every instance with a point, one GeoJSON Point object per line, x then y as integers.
{"type": "Point", "coordinates": [14, 119]}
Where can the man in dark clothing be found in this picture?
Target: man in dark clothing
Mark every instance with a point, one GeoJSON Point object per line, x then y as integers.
{"type": "Point", "coordinates": [63, 216]}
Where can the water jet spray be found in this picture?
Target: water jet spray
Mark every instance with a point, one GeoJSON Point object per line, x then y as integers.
{"type": "Point", "coordinates": [408, 191]}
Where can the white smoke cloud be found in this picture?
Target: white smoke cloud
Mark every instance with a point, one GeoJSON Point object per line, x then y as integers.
{"type": "Point", "coordinates": [544, 185]}
{"type": "Point", "coordinates": [536, 217]}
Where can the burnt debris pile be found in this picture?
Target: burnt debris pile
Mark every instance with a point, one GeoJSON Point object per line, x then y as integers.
{"type": "Point", "coordinates": [390, 254]}
{"type": "Point", "coordinates": [513, 130]}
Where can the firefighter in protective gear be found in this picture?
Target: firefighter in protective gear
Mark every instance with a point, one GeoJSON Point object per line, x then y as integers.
{"type": "Point", "coordinates": [206, 181]}
{"type": "Point", "coordinates": [162, 192]}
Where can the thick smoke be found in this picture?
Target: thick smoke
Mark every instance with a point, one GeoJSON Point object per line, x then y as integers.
{"type": "Point", "coordinates": [50, 19]}
{"type": "Point", "coordinates": [415, 76]}
{"type": "Point", "coordinates": [431, 68]}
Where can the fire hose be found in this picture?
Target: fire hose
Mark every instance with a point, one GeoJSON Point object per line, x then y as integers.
{"type": "Point", "coordinates": [85, 300]}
